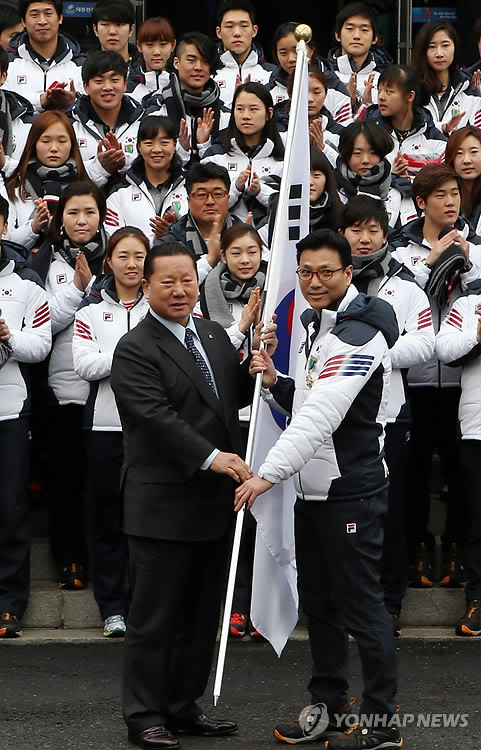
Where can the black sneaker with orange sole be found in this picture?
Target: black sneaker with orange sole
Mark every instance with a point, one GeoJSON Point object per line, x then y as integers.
{"type": "Point", "coordinates": [421, 573]}
{"type": "Point", "coordinates": [10, 626]}
{"type": "Point", "coordinates": [470, 625]}
{"type": "Point", "coordinates": [72, 577]}
{"type": "Point", "coordinates": [453, 575]}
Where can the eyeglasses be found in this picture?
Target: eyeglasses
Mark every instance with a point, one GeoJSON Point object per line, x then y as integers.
{"type": "Point", "coordinates": [324, 275]}
{"type": "Point", "coordinates": [201, 195]}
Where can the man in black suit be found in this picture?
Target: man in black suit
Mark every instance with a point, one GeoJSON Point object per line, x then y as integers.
{"type": "Point", "coordinates": [179, 412]}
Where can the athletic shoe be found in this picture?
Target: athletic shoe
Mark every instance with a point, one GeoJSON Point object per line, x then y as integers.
{"type": "Point", "coordinates": [72, 577]}
{"type": "Point", "coordinates": [10, 626]}
{"type": "Point", "coordinates": [452, 575]}
{"type": "Point", "coordinates": [421, 574]}
{"type": "Point", "coordinates": [238, 624]}
{"type": "Point", "coordinates": [311, 725]}
{"type": "Point", "coordinates": [114, 626]}
{"type": "Point", "coordinates": [395, 624]}
{"type": "Point", "coordinates": [469, 624]}
{"type": "Point", "coordinates": [360, 737]}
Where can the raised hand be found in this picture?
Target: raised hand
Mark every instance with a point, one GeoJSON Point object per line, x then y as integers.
{"type": "Point", "coordinates": [184, 136]}
{"type": "Point", "coordinates": [453, 123]}
{"type": "Point", "coordinates": [250, 312]}
{"type": "Point", "coordinates": [213, 251]}
{"type": "Point", "coordinates": [205, 125]}
{"type": "Point", "coordinates": [368, 87]}
{"type": "Point", "coordinates": [316, 135]}
{"type": "Point", "coordinates": [41, 218]}
{"type": "Point", "coordinates": [83, 274]}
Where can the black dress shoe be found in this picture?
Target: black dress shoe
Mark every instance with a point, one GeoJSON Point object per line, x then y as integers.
{"type": "Point", "coordinates": [155, 737]}
{"type": "Point", "coordinates": [204, 727]}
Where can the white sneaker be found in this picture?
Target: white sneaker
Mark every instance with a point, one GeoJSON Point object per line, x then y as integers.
{"type": "Point", "coordinates": [114, 626]}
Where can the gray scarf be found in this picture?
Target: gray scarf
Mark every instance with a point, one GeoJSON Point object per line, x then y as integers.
{"type": "Point", "coordinates": [219, 288]}
{"type": "Point", "coordinates": [375, 182]}
{"type": "Point", "coordinates": [370, 270]}
{"type": "Point", "coordinates": [194, 237]}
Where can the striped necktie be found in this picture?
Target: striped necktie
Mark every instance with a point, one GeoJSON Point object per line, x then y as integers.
{"type": "Point", "coordinates": [189, 343]}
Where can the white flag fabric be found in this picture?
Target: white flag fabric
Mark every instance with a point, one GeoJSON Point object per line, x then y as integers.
{"type": "Point", "coordinates": [274, 604]}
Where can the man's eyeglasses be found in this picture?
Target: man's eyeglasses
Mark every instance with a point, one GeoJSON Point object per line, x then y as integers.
{"type": "Point", "coordinates": [201, 195]}
{"type": "Point", "coordinates": [325, 275]}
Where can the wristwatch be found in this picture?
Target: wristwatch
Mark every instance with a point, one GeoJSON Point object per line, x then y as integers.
{"type": "Point", "coordinates": [426, 264]}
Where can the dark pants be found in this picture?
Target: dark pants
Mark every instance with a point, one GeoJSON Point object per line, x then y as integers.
{"type": "Point", "coordinates": [14, 529]}
{"type": "Point", "coordinates": [340, 592]}
{"type": "Point", "coordinates": [109, 543]}
{"type": "Point", "coordinates": [470, 454]}
{"type": "Point", "coordinates": [241, 601]}
{"type": "Point", "coordinates": [66, 483]}
{"type": "Point", "coordinates": [177, 588]}
{"type": "Point", "coordinates": [394, 554]}
{"type": "Point", "coordinates": [434, 428]}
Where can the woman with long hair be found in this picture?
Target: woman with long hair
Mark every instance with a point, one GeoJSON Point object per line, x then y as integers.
{"type": "Point", "coordinates": [464, 154]}
{"type": "Point", "coordinates": [251, 149]}
{"type": "Point", "coordinates": [115, 305]}
{"type": "Point", "coordinates": [67, 262]}
{"type": "Point", "coordinates": [50, 161]}
{"type": "Point", "coordinates": [455, 101]}
{"type": "Point", "coordinates": [152, 194]}
{"type": "Point", "coordinates": [156, 43]}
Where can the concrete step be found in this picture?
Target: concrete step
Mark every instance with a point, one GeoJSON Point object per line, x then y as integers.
{"type": "Point", "coordinates": [50, 607]}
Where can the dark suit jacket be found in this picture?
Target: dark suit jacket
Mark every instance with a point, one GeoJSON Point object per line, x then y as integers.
{"type": "Point", "coordinates": [172, 421]}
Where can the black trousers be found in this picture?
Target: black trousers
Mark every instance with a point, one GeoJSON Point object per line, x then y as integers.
{"type": "Point", "coordinates": [177, 588]}
{"type": "Point", "coordinates": [109, 543]}
{"type": "Point", "coordinates": [14, 527]}
{"type": "Point", "coordinates": [470, 453]}
{"type": "Point", "coordinates": [338, 551]}
{"type": "Point", "coordinates": [394, 554]}
{"type": "Point", "coordinates": [434, 428]}
{"type": "Point", "coordinates": [66, 481]}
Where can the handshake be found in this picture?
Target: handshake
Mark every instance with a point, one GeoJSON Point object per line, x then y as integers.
{"type": "Point", "coordinates": [230, 463]}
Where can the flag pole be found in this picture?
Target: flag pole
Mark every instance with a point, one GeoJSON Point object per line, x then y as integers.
{"type": "Point", "coordinates": [303, 34]}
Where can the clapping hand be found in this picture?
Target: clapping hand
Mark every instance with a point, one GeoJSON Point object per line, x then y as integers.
{"type": "Point", "coordinates": [110, 154]}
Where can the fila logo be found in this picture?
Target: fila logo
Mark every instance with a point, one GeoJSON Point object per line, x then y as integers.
{"type": "Point", "coordinates": [61, 278]}
{"type": "Point", "coordinates": [108, 317]}
{"type": "Point", "coordinates": [351, 528]}
{"type": "Point", "coordinates": [415, 260]}
{"type": "Point", "coordinates": [221, 84]}
{"type": "Point", "coordinates": [232, 167]}
{"type": "Point", "coordinates": [279, 99]}
{"type": "Point", "coordinates": [82, 142]}
{"type": "Point", "coordinates": [136, 197]}
{"type": "Point", "coordinates": [21, 79]}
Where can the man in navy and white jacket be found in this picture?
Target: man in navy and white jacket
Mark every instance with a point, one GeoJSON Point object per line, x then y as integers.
{"type": "Point", "coordinates": [333, 447]}
{"type": "Point", "coordinates": [25, 338]}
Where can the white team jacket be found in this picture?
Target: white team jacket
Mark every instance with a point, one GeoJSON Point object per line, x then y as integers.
{"type": "Point", "coordinates": [263, 164]}
{"type": "Point", "coordinates": [98, 328]}
{"type": "Point", "coordinates": [130, 204]}
{"type": "Point", "coordinates": [64, 299]}
{"type": "Point", "coordinates": [88, 137]}
{"type": "Point", "coordinates": [26, 77]}
{"type": "Point", "coordinates": [415, 344]}
{"type": "Point", "coordinates": [226, 76]}
{"type": "Point", "coordinates": [24, 306]}
{"type": "Point", "coordinates": [326, 385]}
{"type": "Point", "coordinates": [411, 254]}
{"type": "Point", "coordinates": [457, 340]}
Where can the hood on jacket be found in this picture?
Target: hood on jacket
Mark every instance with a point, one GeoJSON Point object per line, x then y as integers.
{"type": "Point", "coordinates": [11, 252]}
{"type": "Point", "coordinates": [19, 106]}
{"type": "Point", "coordinates": [130, 111]}
{"type": "Point", "coordinates": [370, 310]}
{"type": "Point", "coordinates": [66, 43]}
{"type": "Point", "coordinates": [255, 47]}
{"type": "Point", "coordinates": [376, 55]}
{"type": "Point", "coordinates": [413, 232]}
{"type": "Point", "coordinates": [422, 119]}
{"type": "Point", "coordinates": [374, 312]}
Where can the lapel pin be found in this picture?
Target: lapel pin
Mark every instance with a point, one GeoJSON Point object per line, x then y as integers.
{"type": "Point", "coordinates": [211, 336]}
